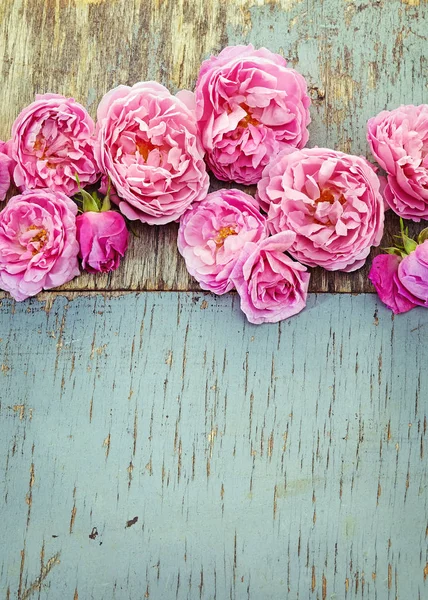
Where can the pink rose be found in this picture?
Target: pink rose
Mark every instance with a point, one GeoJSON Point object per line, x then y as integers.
{"type": "Point", "coordinates": [38, 246]}
{"type": "Point", "coordinates": [332, 202]}
{"type": "Point", "coordinates": [6, 170]}
{"type": "Point", "coordinates": [148, 145]}
{"type": "Point", "coordinates": [52, 140]}
{"type": "Point", "coordinates": [249, 106]}
{"type": "Point", "coordinates": [399, 142]}
{"type": "Point", "coordinates": [213, 232]}
{"type": "Point", "coordinates": [384, 276]}
{"type": "Point", "coordinates": [103, 240]}
{"type": "Point", "coordinates": [272, 287]}
{"type": "Point", "coordinates": [413, 275]}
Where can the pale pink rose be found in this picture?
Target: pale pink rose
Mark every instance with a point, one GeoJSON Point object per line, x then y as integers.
{"type": "Point", "coordinates": [103, 240]}
{"type": "Point", "coordinates": [6, 170]}
{"type": "Point", "coordinates": [212, 234]}
{"type": "Point", "coordinates": [249, 106]}
{"type": "Point", "coordinates": [52, 141]}
{"type": "Point", "coordinates": [332, 202]}
{"type": "Point", "coordinates": [38, 246]}
{"type": "Point", "coordinates": [384, 276]}
{"type": "Point", "coordinates": [147, 144]}
{"type": "Point", "coordinates": [399, 142]}
{"type": "Point", "coordinates": [272, 286]}
{"type": "Point", "coordinates": [413, 275]}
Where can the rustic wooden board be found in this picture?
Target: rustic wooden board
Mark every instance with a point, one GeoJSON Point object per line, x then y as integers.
{"type": "Point", "coordinates": [157, 446]}
{"type": "Point", "coordinates": [359, 56]}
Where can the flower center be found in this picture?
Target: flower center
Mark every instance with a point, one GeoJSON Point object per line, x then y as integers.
{"type": "Point", "coordinates": [327, 195]}
{"type": "Point", "coordinates": [144, 147]}
{"type": "Point", "coordinates": [40, 146]}
{"type": "Point", "coordinates": [248, 119]}
{"type": "Point", "coordinates": [41, 238]}
{"type": "Point", "coordinates": [223, 233]}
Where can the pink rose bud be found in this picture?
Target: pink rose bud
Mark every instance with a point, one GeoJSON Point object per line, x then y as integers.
{"type": "Point", "coordinates": [249, 107]}
{"type": "Point", "coordinates": [38, 246]}
{"type": "Point", "coordinates": [148, 145]}
{"type": "Point", "coordinates": [213, 232]}
{"type": "Point", "coordinates": [52, 140]}
{"type": "Point", "coordinates": [330, 200]}
{"type": "Point", "coordinates": [6, 170]}
{"type": "Point", "coordinates": [272, 286]}
{"type": "Point", "coordinates": [103, 239]}
{"type": "Point", "coordinates": [384, 276]}
{"type": "Point", "coordinates": [399, 142]}
{"type": "Point", "coordinates": [413, 275]}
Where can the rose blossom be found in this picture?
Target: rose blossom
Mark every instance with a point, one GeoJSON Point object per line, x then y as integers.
{"type": "Point", "coordinates": [6, 169]}
{"type": "Point", "coordinates": [384, 276]}
{"type": "Point", "coordinates": [52, 141]}
{"type": "Point", "coordinates": [399, 142]}
{"type": "Point", "coordinates": [147, 143]}
{"type": "Point", "coordinates": [249, 106]}
{"type": "Point", "coordinates": [413, 275]}
{"type": "Point", "coordinates": [213, 232]}
{"type": "Point", "coordinates": [332, 202]}
{"type": "Point", "coordinates": [103, 240]}
{"type": "Point", "coordinates": [38, 246]}
{"type": "Point", "coordinates": [272, 286]}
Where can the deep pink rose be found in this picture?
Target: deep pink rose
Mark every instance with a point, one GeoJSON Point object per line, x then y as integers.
{"type": "Point", "coordinates": [249, 106]}
{"type": "Point", "coordinates": [399, 142]}
{"type": "Point", "coordinates": [384, 276]}
{"type": "Point", "coordinates": [332, 202]}
{"type": "Point", "coordinates": [413, 275]}
{"type": "Point", "coordinates": [147, 143]}
{"type": "Point", "coordinates": [6, 170]}
{"type": "Point", "coordinates": [272, 286]}
{"type": "Point", "coordinates": [52, 140]}
{"type": "Point", "coordinates": [213, 232]}
{"type": "Point", "coordinates": [38, 246]}
{"type": "Point", "coordinates": [103, 240]}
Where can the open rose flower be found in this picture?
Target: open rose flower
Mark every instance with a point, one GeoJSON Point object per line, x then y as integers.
{"type": "Point", "coordinates": [249, 107]}
{"type": "Point", "coordinates": [38, 246]}
{"type": "Point", "coordinates": [6, 170]}
{"type": "Point", "coordinates": [147, 144]}
{"type": "Point", "coordinates": [52, 141]}
{"type": "Point", "coordinates": [384, 276]}
{"type": "Point", "coordinates": [399, 142]}
{"type": "Point", "coordinates": [272, 286]}
{"type": "Point", "coordinates": [213, 232]}
{"type": "Point", "coordinates": [331, 201]}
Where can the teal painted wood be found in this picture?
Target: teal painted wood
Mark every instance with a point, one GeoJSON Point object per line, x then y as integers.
{"type": "Point", "coordinates": [158, 446]}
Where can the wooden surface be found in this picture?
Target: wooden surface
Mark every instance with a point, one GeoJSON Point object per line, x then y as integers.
{"type": "Point", "coordinates": [358, 56]}
{"type": "Point", "coordinates": [157, 446]}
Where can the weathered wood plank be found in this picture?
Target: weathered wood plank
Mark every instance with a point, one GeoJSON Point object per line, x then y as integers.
{"type": "Point", "coordinates": [157, 446]}
{"type": "Point", "coordinates": [358, 57]}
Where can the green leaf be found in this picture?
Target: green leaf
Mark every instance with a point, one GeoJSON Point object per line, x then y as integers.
{"type": "Point", "coordinates": [409, 244]}
{"type": "Point", "coordinates": [90, 203]}
{"type": "Point", "coordinates": [106, 205]}
{"type": "Point", "coordinates": [395, 251]}
{"type": "Point", "coordinates": [423, 236]}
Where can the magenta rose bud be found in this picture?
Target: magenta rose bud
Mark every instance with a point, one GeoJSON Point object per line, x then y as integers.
{"type": "Point", "coordinates": [249, 107]}
{"type": "Point", "coordinates": [399, 141]}
{"type": "Point", "coordinates": [103, 240]}
{"type": "Point", "coordinates": [384, 276]}
{"type": "Point", "coordinates": [6, 170]}
{"type": "Point", "coordinates": [272, 286]}
{"type": "Point", "coordinates": [52, 141]}
{"type": "Point", "coordinates": [413, 275]}
{"type": "Point", "coordinates": [148, 145]}
{"type": "Point", "coordinates": [212, 234]}
{"type": "Point", "coordinates": [38, 246]}
{"type": "Point", "coordinates": [330, 200]}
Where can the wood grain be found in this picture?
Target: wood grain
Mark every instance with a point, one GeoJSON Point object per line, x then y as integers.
{"type": "Point", "coordinates": [157, 446]}
{"type": "Point", "coordinates": [358, 57]}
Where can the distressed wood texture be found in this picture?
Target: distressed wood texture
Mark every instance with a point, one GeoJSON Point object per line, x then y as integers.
{"type": "Point", "coordinates": [359, 56]}
{"type": "Point", "coordinates": [157, 446]}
